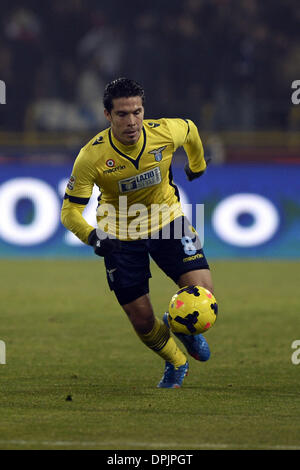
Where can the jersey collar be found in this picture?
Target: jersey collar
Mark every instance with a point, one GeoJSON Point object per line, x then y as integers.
{"type": "Point", "coordinates": [134, 161]}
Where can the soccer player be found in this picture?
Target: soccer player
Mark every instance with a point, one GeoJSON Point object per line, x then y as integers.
{"type": "Point", "coordinates": [130, 162]}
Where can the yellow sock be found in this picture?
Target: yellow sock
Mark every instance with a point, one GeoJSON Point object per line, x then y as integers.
{"type": "Point", "coordinates": [160, 341]}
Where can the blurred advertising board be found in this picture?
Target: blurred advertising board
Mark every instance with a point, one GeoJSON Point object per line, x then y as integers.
{"type": "Point", "coordinates": [240, 211]}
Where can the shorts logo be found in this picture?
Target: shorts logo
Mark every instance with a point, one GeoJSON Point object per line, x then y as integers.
{"type": "Point", "coordinates": [193, 258]}
{"type": "Point", "coordinates": [110, 163]}
{"type": "Point", "coordinates": [110, 274]}
{"type": "Point", "coordinates": [158, 153]}
{"type": "Point", "coordinates": [141, 181]}
{"type": "Point", "coordinates": [71, 183]}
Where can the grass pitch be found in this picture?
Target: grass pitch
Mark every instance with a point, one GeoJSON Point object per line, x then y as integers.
{"type": "Point", "coordinates": [77, 376]}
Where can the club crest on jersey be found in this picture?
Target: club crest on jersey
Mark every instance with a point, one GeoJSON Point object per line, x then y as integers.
{"type": "Point", "coordinates": [110, 163]}
{"type": "Point", "coordinates": [158, 153]}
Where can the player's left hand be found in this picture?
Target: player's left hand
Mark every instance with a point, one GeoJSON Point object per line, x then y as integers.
{"type": "Point", "coordinates": [102, 244]}
{"type": "Point", "coordinates": [193, 175]}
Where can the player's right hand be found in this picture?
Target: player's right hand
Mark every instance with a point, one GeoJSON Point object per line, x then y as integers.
{"type": "Point", "coordinates": [102, 244]}
{"type": "Point", "coordinates": [191, 175]}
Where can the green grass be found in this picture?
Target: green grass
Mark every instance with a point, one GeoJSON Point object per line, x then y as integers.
{"type": "Point", "coordinates": [66, 337]}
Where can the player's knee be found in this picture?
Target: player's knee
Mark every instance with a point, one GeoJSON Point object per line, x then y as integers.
{"type": "Point", "coordinates": [208, 285]}
{"type": "Point", "coordinates": [201, 278]}
{"type": "Point", "coordinates": [205, 280]}
{"type": "Point", "coordinates": [140, 314]}
{"type": "Point", "coordinates": [142, 324]}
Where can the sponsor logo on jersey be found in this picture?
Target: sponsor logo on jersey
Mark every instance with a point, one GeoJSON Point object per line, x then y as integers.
{"type": "Point", "coordinates": [141, 181]}
{"type": "Point", "coordinates": [158, 153]}
{"type": "Point", "coordinates": [153, 124]}
{"type": "Point", "coordinates": [113, 169]}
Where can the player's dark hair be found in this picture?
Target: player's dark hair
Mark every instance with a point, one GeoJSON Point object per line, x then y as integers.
{"type": "Point", "coordinates": [121, 88]}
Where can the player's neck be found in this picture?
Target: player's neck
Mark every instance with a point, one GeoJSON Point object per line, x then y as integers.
{"type": "Point", "coordinates": [126, 147]}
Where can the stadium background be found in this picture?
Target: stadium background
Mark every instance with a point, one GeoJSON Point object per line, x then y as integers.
{"type": "Point", "coordinates": [227, 65]}
{"type": "Point", "coordinates": [73, 375]}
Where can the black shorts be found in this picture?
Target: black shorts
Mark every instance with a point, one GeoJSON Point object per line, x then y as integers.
{"type": "Point", "coordinates": [176, 249]}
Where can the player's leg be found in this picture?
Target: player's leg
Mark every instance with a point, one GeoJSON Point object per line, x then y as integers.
{"type": "Point", "coordinates": [140, 313]}
{"type": "Point", "coordinates": [196, 345]}
{"type": "Point", "coordinates": [152, 331]}
{"type": "Point", "coordinates": [183, 260]}
{"type": "Point", "coordinates": [128, 275]}
{"type": "Point", "coordinates": [155, 334]}
{"type": "Point", "coordinates": [197, 277]}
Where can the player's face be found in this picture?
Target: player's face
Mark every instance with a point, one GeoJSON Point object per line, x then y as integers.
{"type": "Point", "coordinates": [126, 119]}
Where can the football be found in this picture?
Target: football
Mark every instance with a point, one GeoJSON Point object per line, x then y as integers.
{"type": "Point", "coordinates": [192, 310]}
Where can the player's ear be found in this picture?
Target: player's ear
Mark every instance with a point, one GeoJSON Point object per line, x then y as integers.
{"type": "Point", "coordinates": [107, 115]}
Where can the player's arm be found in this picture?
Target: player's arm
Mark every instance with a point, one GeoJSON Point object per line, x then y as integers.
{"type": "Point", "coordinates": [77, 195]}
{"type": "Point", "coordinates": [185, 134]}
{"type": "Point", "coordinates": [72, 219]}
{"type": "Point", "coordinates": [193, 147]}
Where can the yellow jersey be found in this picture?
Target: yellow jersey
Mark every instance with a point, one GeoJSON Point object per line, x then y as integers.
{"type": "Point", "coordinates": [137, 191]}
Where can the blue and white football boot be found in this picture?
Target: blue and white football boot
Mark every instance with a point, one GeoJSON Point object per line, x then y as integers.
{"type": "Point", "coordinates": [196, 345]}
{"type": "Point", "coordinates": [173, 377]}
